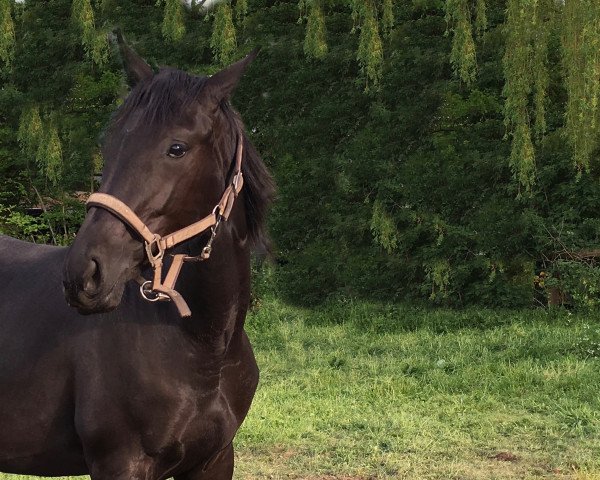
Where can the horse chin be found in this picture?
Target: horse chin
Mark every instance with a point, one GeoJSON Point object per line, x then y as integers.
{"type": "Point", "coordinates": [86, 305]}
{"type": "Point", "coordinates": [97, 309]}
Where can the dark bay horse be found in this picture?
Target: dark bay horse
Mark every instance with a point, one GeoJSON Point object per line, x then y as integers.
{"type": "Point", "coordinates": [118, 387]}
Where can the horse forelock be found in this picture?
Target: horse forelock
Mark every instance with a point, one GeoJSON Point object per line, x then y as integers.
{"type": "Point", "coordinates": [161, 99]}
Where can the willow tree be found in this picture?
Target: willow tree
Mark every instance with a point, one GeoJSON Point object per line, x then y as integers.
{"type": "Point", "coordinates": [528, 25]}
{"type": "Point", "coordinates": [7, 32]}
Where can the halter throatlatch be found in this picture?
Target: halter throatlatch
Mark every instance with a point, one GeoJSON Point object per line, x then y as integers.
{"type": "Point", "coordinates": [155, 246]}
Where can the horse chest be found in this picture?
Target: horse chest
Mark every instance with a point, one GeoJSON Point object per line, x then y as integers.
{"type": "Point", "coordinates": [188, 424]}
{"type": "Point", "coordinates": [175, 412]}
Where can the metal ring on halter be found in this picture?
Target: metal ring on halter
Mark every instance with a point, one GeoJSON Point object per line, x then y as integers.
{"type": "Point", "coordinates": [146, 289]}
{"type": "Point", "coordinates": [206, 251]}
{"type": "Point", "coordinates": [217, 212]}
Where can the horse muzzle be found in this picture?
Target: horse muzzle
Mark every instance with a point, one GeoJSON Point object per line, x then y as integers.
{"type": "Point", "coordinates": [98, 265]}
{"type": "Point", "coordinates": [85, 288]}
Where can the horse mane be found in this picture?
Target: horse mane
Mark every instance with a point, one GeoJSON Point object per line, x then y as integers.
{"type": "Point", "coordinates": [164, 98]}
{"type": "Point", "coordinates": [259, 187]}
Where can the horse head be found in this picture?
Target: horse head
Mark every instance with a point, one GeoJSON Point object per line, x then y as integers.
{"type": "Point", "coordinates": [168, 154]}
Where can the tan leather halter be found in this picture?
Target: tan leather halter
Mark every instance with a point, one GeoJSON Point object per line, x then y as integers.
{"type": "Point", "coordinates": [156, 289]}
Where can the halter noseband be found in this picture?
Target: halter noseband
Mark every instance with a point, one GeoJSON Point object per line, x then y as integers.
{"type": "Point", "coordinates": [155, 246]}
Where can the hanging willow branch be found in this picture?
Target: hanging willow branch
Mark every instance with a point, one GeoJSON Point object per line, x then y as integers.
{"type": "Point", "coordinates": [49, 157]}
{"type": "Point", "coordinates": [480, 17]}
{"type": "Point", "coordinates": [462, 56]}
{"type": "Point", "coordinates": [387, 17]}
{"type": "Point", "coordinates": [173, 26]}
{"type": "Point", "coordinates": [581, 58]}
{"type": "Point", "coordinates": [40, 142]}
{"type": "Point", "coordinates": [520, 22]}
{"type": "Point", "coordinates": [358, 12]}
{"type": "Point", "coordinates": [30, 131]}
{"type": "Point", "coordinates": [223, 39]}
{"type": "Point", "coordinates": [370, 49]}
{"type": "Point", "coordinates": [94, 42]}
{"type": "Point", "coordinates": [366, 18]}
{"type": "Point", "coordinates": [315, 43]}
{"type": "Point", "coordinates": [7, 32]}
{"type": "Point", "coordinates": [527, 27]}
{"type": "Point", "coordinates": [241, 12]}
{"type": "Point", "coordinates": [543, 22]}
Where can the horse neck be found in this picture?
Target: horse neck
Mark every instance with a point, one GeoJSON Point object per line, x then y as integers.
{"type": "Point", "coordinates": [218, 290]}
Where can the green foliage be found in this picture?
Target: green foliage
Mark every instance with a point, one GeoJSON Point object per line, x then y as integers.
{"type": "Point", "coordinates": [83, 17]}
{"type": "Point", "coordinates": [406, 193]}
{"type": "Point", "coordinates": [581, 53]}
{"type": "Point", "coordinates": [41, 143]}
{"type": "Point", "coordinates": [370, 49]}
{"type": "Point", "coordinates": [438, 277]}
{"type": "Point", "coordinates": [30, 131]}
{"type": "Point", "coordinates": [525, 69]}
{"type": "Point", "coordinates": [529, 26]}
{"type": "Point", "coordinates": [462, 57]}
{"type": "Point", "coordinates": [580, 280]}
{"type": "Point", "coordinates": [241, 11]}
{"type": "Point", "coordinates": [223, 39]}
{"type": "Point", "coordinates": [26, 227]}
{"type": "Point", "coordinates": [94, 42]}
{"type": "Point", "coordinates": [7, 32]}
{"type": "Point", "coordinates": [173, 26]}
{"type": "Point", "coordinates": [49, 156]}
{"type": "Point", "coordinates": [387, 17]}
{"type": "Point", "coordinates": [481, 22]}
{"type": "Point", "coordinates": [383, 228]}
{"type": "Point", "coordinates": [315, 43]}
{"type": "Point", "coordinates": [56, 225]}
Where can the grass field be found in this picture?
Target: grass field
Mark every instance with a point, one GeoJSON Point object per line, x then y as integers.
{"type": "Point", "coordinates": [359, 391]}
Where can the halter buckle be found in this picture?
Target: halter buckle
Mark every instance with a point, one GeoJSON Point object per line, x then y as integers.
{"type": "Point", "coordinates": [151, 248]}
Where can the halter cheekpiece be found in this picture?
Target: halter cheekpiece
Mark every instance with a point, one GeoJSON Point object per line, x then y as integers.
{"type": "Point", "coordinates": [155, 245]}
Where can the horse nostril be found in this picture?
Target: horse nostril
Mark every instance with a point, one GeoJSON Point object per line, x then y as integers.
{"type": "Point", "coordinates": [91, 277]}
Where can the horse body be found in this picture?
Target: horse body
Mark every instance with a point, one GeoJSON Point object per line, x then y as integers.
{"type": "Point", "coordinates": [35, 371]}
{"type": "Point", "coordinates": [118, 387]}
{"type": "Point", "coordinates": [77, 389]}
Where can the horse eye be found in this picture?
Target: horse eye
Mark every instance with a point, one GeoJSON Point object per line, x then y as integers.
{"type": "Point", "coordinates": [177, 150]}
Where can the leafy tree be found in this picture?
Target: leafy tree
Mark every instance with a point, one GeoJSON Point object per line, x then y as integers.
{"type": "Point", "coordinates": [449, 179]}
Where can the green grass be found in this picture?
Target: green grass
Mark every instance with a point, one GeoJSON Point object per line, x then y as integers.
{"type": "Point", "coordinates": [359, 390]}
{"type": "Point", "coordinates": [389, 391]}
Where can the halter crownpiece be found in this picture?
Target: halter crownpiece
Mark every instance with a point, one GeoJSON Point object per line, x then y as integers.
{"type": "Point", "coordinates": [155, 245]}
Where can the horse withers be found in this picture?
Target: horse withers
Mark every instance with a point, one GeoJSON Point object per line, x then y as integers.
{"type": "Point", "coordinates": [113, 385]}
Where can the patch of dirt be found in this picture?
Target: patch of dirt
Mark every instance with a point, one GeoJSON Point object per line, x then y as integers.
{"type": "Point", "coordinates": [333, 477]}
{"type": "Point", "coordinates": [505, 457]}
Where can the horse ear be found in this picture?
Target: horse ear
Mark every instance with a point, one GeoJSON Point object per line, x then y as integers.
{"type": "Point", "coordinates": [135, 66]}
{"type": "Point", "coordinates": [221, 85]}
